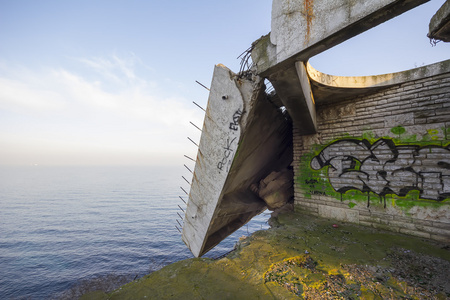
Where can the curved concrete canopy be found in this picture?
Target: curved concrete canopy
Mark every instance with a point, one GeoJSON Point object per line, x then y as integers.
{"type": "Point", "coordinates": [327, 88]}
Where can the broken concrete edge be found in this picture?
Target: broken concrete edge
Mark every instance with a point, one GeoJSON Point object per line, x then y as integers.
{"type": "Point", "coordinates": [377, 81]}
{"type": "Point", "coordinates": [264, 53]}
{"type": "Point", "coordinates": [439, 28]}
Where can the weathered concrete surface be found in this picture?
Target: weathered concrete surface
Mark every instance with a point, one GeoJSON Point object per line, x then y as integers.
{"type": "Point", "coordinates": [244, 138]}
{"type": "Point", "coordinates": [302, 29]}
{"type": "Point", "coordinates": [330, 88]}
{"type": "Point", "coordinates": [439, 28]}
{"type": "Point", "coordinates": [265, 146]}
{"type": "Point", "coordinates": [293, 87]}
{"type": "Point", "coordinates": [307, 258]}
{"type": "Point", "coordinates": [217, 147]}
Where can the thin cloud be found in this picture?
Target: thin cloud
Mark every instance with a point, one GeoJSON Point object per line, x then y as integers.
{"type": "Point", "coordinates": [67, 110]}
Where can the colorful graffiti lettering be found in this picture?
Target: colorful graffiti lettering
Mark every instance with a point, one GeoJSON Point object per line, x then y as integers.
{"type": "Point", "coordinates": [385, 168]}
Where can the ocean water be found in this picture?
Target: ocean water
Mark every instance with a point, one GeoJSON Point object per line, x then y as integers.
{"type": "Point", "coordinates": [61, 225]}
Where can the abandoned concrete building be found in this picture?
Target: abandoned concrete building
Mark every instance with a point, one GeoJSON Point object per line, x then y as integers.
{"type": "Point", "coordinates": [371, 150]}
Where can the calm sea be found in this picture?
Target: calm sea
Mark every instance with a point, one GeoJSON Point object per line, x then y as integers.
{"type": "Point", "coordinates": [62, 225]}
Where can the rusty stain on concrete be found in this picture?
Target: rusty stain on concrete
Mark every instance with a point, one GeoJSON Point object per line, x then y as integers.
{"type": "Point", "coordinates": [309, 15]}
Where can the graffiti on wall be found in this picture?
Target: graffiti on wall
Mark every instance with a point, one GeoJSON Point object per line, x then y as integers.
{"type": "Point", "coordinates": [385, 168]}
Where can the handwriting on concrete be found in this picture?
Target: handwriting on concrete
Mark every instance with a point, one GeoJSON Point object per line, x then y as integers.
{"type": "Point", "coordinates": [236, 117]}
{"type": "Point", "coordinates": [385, 168]}
{"type": "Point", "coordinates": [227, 158]}
{"type": "Point", "coordinates": [226, 161]}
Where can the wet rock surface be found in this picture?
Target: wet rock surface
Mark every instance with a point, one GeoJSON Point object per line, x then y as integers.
{"type": "Point", "coordinates": [304, 257]}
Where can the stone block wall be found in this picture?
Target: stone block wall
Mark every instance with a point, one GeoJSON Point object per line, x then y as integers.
{"type": "Point", "coordinates": [381, 160]}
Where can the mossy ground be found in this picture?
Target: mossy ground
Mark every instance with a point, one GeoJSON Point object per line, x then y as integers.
{"type": "Point", "coordinates": [304, 257]}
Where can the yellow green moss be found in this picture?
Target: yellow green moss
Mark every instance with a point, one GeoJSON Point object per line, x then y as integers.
{"type": "Point", "coordinates": [300, 257]}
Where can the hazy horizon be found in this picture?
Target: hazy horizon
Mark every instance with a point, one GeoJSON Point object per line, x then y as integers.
{"type": "Point", "coordinates": [112, 83]}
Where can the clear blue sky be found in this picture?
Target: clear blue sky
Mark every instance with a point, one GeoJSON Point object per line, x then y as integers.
{"type": "Point", "coordinates": [112, 82]}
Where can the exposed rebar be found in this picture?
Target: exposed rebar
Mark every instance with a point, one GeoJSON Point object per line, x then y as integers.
{"type": "Point", "coordinates": [186, 180]}
{"type": "Point", "coordinates": [192, 141]}
{"type": "Point", "coordinates": [199, 106]}
{"type": "Point", "coordinates": [184, 191]}
{"type": "Point", "coordinates": [245, 65]}
{"type": "Point", "coordinates": [202, 85]}
{"type": "Point", "coordinates": [188, 169]}
{"type": "Point", "coordinates": [190, 158]}
{"type": "Point", "coordinates": [195, 126]}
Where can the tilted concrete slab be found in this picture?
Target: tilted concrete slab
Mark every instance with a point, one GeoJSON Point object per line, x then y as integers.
{"type": "Point", "coordinates": [244, 138]}
{"type": "Point", "coordinates": [217, 147]}
{"type": "Point", "coordinates": [439, 28]}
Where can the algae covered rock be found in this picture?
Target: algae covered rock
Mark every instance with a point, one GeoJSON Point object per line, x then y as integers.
{"type": "Point", "coordinates": [305, 257]}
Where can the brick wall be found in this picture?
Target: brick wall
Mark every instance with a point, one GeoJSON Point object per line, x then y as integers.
{"type": "Point", "coordinates": [381, 160]}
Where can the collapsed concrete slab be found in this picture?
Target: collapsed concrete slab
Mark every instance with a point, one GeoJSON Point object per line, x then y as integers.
{"type": "Point", "coordinates": [244, 138]}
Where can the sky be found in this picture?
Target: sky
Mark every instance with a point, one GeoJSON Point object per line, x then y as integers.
{"type": "Point", "coordinates": [102, 82]}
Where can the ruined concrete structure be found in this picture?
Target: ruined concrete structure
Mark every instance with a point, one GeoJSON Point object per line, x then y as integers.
{"type": "Point", "coordinates": [369, 150]}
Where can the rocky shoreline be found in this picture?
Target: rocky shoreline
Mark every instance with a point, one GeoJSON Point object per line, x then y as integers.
{"type": "Point", "coordinates": [305, 257]}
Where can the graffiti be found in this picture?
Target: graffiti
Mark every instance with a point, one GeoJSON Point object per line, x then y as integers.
{"type": "Point", "coordinates": [226, 155]}
{"type": "Point", "coordinates": [236, 117]}
{"type": "Point", "coordinates": [385, 168]}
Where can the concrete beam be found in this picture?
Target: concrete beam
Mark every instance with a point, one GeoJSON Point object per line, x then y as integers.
{"type": "Point", "coordinates": [293, 87]}
{"type": "Point", "coordinates": [439, 28]}
{"type": "Point", "coordinates": [302, 29]}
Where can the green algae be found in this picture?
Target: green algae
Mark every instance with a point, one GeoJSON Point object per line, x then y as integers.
{"type": "Point", "coordinates": [315, 182]}
{"type": "Point", "coordinates": [399, 130]}
{"type": "Point", "coordinates": [301, 256]}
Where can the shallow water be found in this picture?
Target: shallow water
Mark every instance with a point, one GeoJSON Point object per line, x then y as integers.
{"type": "Point", "coordinates": [59, 225]}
